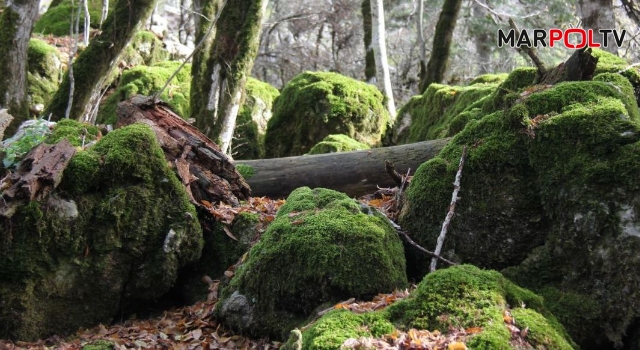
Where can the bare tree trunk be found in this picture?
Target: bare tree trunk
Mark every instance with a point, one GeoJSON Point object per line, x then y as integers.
{"type": "Point", "coordinates": [87, 21]}
{"type": "Point", "coordinates": [105, 12]}
{"type": "Point", "coordinates": [97, 59]}
{"type": "Point", "coordinates": [441, 44]}
{"type": "Point", "coordinates": [482, 38]}
{"type": "Point", "coordinates": [422, 44]}
{"type": "Point", "coordinates": [231, 59]}
{"type": "Point", "coordinates": [369, 58]}
{"type": "Point", "coordinates": [16, 21]}
{"type": "Point", "coordinates": [598, 14]}
{"type": "Point", "coordinates": [378, 37]}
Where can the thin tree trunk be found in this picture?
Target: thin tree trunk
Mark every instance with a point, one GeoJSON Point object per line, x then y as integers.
{"type": "Point", "coordinates": [378, 37]}
{"type": "Point", "coordinates": [369, 58]}
{"type": "Point", "coordinates": [87, 21]}
{"type": "Point", "coordinates": [441, 44]}
{"type": "Point", "coordinates": [598, 14]}
{"type": "Point", "coordinates": [105, 12]}
{"type": "Point", "coordinates": [97, 59]}
{"type": "Point", "coordinates": [16, 23]}
{"type": "Point", "coordinates": [482, 39]}
{"type": "Point", "coordinates": [422, 43]}
{"type": "Point", "coordinates": [232, 54]}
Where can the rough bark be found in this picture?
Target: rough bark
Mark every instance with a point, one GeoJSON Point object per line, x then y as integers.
{"type": "Point", "coordinates": [230, 62]}
{"type": "Point", "coordinates": [369, 58]}
{"type": "Point", "coordinates": [38, 174]}
{"type": "Point", "coordinates": [200, 164]}
{"type": "Point", "coordinates": [97, 59]}
{"type": "Point", "coordinates": [441, 49]}
{"type": "Point", "coordinates": [581, 65]}
{"type": "Point", "coordinates": [16, 24]}
{"type": "Point", "coordinates": [598, 14]}
{"type": "Point", "coordinates": [354, 173]}
{"type": "Point", "coordinates": [378, 38]}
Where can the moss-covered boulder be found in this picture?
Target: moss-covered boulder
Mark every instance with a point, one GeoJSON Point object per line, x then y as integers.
{"type": "Point", "coordinates": [145, 48]}
{"type": "Point", "coordinates": [550, 177]}
{"type": "Point", "coordinates": [56, 20]}
{"type": "Point", "coordinates": [314, 105]}
{"type": "Point", "coordinates": [144, 80]}
{"type": "Point", "coordinates": [459, 297]}
{"type": "Point", "coordinates": [111, 237]}
{"type": "Point", "coordinates": [337, 143]}
{"type": "Point", "coordinates": [439, 112]}
{"type": "Point", "coordinates": [321, 248]}
{"type": "Point", "coordinates": [45, 71]}
{"type": "Point", "coordinates": [253, 117]}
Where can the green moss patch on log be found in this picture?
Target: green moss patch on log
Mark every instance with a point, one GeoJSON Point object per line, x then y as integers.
{"type": "Point", "coordinates": [321, 248]}
{"type": "Point", "coordinates": [144, 80]}
{"type": "Point", "coordinates": [314, 105]}
{"type": "Point", "coordinates": [112, 236]}
{"type": "Point", "coordinates": [337, 143]}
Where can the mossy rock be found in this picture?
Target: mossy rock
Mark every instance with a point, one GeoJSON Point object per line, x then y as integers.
{"type": "Point", "coordinates": [489, 79]}
{"type": "Point", "coordinates": [110, 238]}
{"type": "Point", "coordinates": [56, 20]}
{"type": "Point", "coordinates": [253, 117]}
{"type": "Point", "coordinates": [45, 71]}
{"type": "Point", "coordinates": [435, 113]}
{"type": "Point", "coordinates": [457, 297]}
{"type": "Point", "coordinates": [549, 185]}
{"type": "Point", "coordinates": [145, 48]}
{"type": "Point", "coordinates": [314, 105]}
{"type": "Point", "coordinates": [321, 248]}
{"type": "Point", "coordinates": [144, 80]}
{"type": "Point", "coordinates": [73, 131]}
{"type": "Point", "coordinates": [337, 143]}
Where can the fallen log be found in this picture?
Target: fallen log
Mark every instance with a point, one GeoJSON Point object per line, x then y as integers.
{"type": "Point", "coordinates": [354, 173]}
{"type": "Point", "coordinates": [205, 171]}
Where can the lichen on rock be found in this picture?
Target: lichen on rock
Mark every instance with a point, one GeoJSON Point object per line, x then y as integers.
{"type": "Point", "coordinates": [321, 248]}
{"type": "Point", "coordinates": [314, 105]}
{"type": "Point", "coordinates": [60, 271]}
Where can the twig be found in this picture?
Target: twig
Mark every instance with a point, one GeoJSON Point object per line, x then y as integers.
{"type": "Point", "coordinates": [391, 170]}
{"type": "Point", "coordinates": [530, 51]}
{"type": "Point", "coordinates": [434, 255]}
{"type": "Point", "coordinates": [213, 24]}
{"type": "Point", "coordinates": [631, 66]}
{"type": "Point", "coordinates": [452, 207]}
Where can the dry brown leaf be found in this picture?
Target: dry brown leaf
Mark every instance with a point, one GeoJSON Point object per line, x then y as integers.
{"type": "Point", "coordinates": [228, 232]}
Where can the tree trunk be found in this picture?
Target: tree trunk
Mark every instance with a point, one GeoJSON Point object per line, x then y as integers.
{"type": "Point", "coordinates": [231, 59]}
{"type": "Point", "coordinates": [16, 23]}
{"type": "Point", "coordinates": [482, 38]}
{"type": "Point", "coordinates": [422, 43]}
{"type": "Point", "coordinates": [369, 58]}
{"type": "Point", "coordinates": [441, 44]}
{"type": "Point", "coordinates": [354, 173]}
{"type": "Point", "coordinates": [598, 14]}
{"type": "Point", "coordinates": [378, 37]}
{"type": "Point", "coordinates": [95, 62]}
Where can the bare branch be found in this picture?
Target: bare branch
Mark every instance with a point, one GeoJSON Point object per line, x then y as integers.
{"type": "Point", "coordinates": [434, 255]}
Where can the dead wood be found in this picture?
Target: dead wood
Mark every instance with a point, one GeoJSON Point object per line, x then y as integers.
{"type": "Point", "coordinates": [206, 172]}
{"type": "Point", "coordinates": [581, 65]}
{"type": "Point", "coordinates": [37, 175]}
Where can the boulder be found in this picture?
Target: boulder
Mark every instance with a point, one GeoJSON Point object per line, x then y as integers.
{"type": "Point", "coordinates": [321, 248]}
{"type": "Point", "coordinates": [314, 105]}
{"type": "Point", "coordinates": [45, 73]}
{"type": "Point", "coordinates": [110, 238]}
{"type": "Point", "coordinates": [549, 191]}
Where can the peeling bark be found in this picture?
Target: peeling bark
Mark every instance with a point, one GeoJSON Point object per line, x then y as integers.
{"type": "Point", "coordinates": [16, 24]}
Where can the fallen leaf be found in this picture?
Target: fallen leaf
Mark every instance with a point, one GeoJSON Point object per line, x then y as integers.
{"type": "Point", "coordinates": [228, 232]}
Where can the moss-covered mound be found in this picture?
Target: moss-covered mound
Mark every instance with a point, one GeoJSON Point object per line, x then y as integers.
{"type": "Point", "coordinates": [111, 237]}
{"type": "Point", "coordinates": [145, 48]}
{"type": "Point", "coordinates": [144, 80]}
{"type": "Point", "coordinates": [337, 143]}
{"type": "Point", "coordinates": [253, 117]}
{"type": "Point", "coordinates": [314, 105]}
{"type": "Point", "coordinates": [554, 168]}
{"type": "Point", "coordinates": [439, 112]}
{"type": "Point", "coordinates": [45, 71]}
{"type": "Point", "coordinates": [322, 247]}
{"type": "Point", "coordinates": [56, 20]}
{"type": "Point", "coordinates": [454, 298]}
{"type": "Point", "coordinates": [78, 134]}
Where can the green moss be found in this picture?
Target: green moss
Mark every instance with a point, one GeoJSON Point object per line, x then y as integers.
{"type": "Point", "coordinates": [489, 78]}
{"type": "Point", "coordinates": [143, 80]}
{"type": "Point", "coordinates": [99, 345]}
{"type": "Point", "coordinates": [335, 327]}
{"type": "Point", "coordinates": [134, 230]}
{"type": "Point", "coordinates": [326, 249]}
{"type": "Point", "coordinates": [314, 105]}
{"type": "Point", "coordinates": [145, 48]}
{"type": "Point", "coordinates": [518, 79]}
{"type": "Point", "coordinates": [252, 119]}
{"type": "Point", "coordinates": [56, 20]}
{"type": "Point", "coordinates": [430, 115]}
{"type": "Point", "coordinates": [337, 143]}
{"type": "Point", "coordinates": [44, 73]}
{"type": "Point", "coordinates": [75, 132]}
{"type": "Point", "coordinates": [541, 332]}
{"type": "Point", "coordinates": [246, 171]}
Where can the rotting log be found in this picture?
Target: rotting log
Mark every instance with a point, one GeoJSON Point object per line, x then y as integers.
{"type": "Point", "coordinates": [37, 175]}
{"type": "Point", "coordinates": [354, 173]}
{"type": "Point", "coordinates": [205, 171]}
